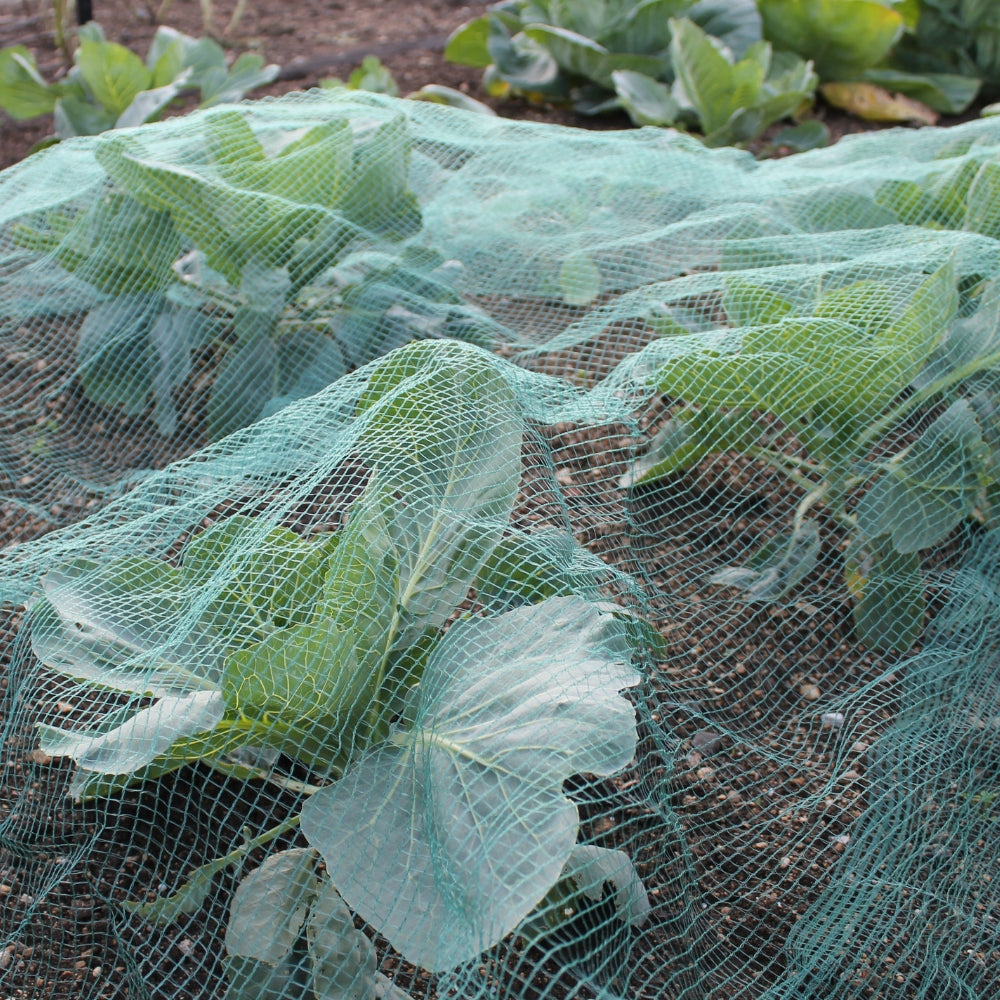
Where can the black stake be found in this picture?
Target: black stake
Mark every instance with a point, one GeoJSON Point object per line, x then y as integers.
{"type": "Point", "coordinates": [84, 11]}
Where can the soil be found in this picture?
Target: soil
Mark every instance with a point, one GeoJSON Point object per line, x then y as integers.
{"type": "Point", "coordinates": [769, 803]}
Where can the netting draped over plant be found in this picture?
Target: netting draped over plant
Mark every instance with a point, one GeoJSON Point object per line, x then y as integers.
{"type": "Point", "coordinates": [456, 557]}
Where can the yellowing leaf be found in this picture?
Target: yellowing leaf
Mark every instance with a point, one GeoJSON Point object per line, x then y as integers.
{"type": "Point", "coordinates": [875, 104]}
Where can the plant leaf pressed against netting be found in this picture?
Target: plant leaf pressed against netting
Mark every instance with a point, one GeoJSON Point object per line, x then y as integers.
{"type": "Point", "coordinates": [446, 839]}
{"type": "Point", "coordinates": [454, 557]}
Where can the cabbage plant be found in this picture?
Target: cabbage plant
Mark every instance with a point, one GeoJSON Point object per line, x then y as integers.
{"type": "Point", "coordinates": [437, 672]}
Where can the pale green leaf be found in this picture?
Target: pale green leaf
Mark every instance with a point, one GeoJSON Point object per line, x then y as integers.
{"type": "Point", "coordinates": [149, 105]}
{"type": "Point", "coordinates": [922, 497]}
{"type": "Point", "coordinates": [590, 867]}
{"type": "Point", "coordinates": [23, 91]}
{"type": "Point", "coordinates": [144, 737]}
{"type": "Point", "coordinates": [342, 958]}
{"type": "Point", "coordinates": [842, 37]}
{"type": "Point", "coordinates": [270, 906]}
{"type": "Point", "coordinates": [447, 838]}
{"type": "Point", "coordinates": [579, 279]}
{"type": "Point", "coordinates": [647, 101]}
{"type": "Point", "coordinates": [467, 45]}
{"type": "Point", "coordinates": [114, 74]}
{"type": "Point", "coordinates": [889, 592]}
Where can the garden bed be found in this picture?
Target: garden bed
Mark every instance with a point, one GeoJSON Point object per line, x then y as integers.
{"type": "Point", "coordinates": [762, 727]}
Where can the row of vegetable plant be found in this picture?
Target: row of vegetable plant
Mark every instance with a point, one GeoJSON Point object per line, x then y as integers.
{"type": "Point", "coordinates": [890, 393]}
{"type": "Point", "coordinates": [109, 86]}
{"type": "Point", "coordinates": [731, 68]}
{"type": "Point", "coordinates": [291, 285]}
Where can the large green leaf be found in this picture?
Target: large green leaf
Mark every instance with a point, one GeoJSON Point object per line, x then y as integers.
{"type": "Point", "coordinates": [139, 740]}
{"type": "Point", "coordinates": [443, 432]}
{"type": "Point", "coordinates": [270, 907]}
{"type": "Point", "coordinates": [115, 361]}
{"type": "Point", "coordinates": [747, 304]}
{"type": "Point", "coordinates": [114, 627]}
{"type": "Point", "coordinates": [120, 246]}
{"type": "Point", "coordinates": [290, 935]}
{"type": "Point", "coordinates": [923, 324]}
{"type": "Point", "coordinates": [75, 114]}
{"type": "Point", "coordinates": [149, 105]}
{"type": "Point", "coordinates": [645, 29]}
{"type": "Point", "coordinates": [342, 958]}
{"type": "Point", "coordinates": [379, 197]}
{"type": "Point", "coordinates": [230, 225]}
{"type": "Point", "coordinates": [647, 101]}
{"type": "Point", "coordinates": [823, 376]}
{"type": "Point", "coordinates": [114, 74]}
{"type": "Point", "coordinates": [922, 497]}
{"type": "Point", "coordinates": [223, 86]}
{"type": "Point", "coordinates": [23, 91]}
{"type": "Point", "coordinates": [971, 342]}
{"type": "Point", "coordinates": [787, 369]}
{"type": "Point", "coordinates": [446, 838]}
{"type": "Point", "coordinates": [888, 588]}
{"type": "Point", "coordinates": [689, 436]}
{"type": "Point", "coordinates": [311, 691]}
{"type": "Point", "coordinates": [843, 38]}
{"type": "Point", "coordinates": [708, 82]}
{"type": "Point", "coordinates": [579, 55]}
{"type": "Point", "coordinates": [244, 384]}
{"type": "Point", "coordinates": [736, 23]}
{"type": "Point", "coordinates": [522, 62]}
{"type": "Point", "coordinates": [982, 214]}
{"type": "Point", "coordinates": [467, 45]}
{"type": "Point", "coordinates": [443, 424]}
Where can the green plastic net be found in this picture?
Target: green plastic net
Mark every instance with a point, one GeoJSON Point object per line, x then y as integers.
{"type": "Point", "coordinates": [451, 557]}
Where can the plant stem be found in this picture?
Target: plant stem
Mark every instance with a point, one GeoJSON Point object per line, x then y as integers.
{"type": "Point", "coordinates": [245, 773]}
{"type": "Point", "coordinates": [782, 464]}
{"type": "Point", "coordinates": [59, 14]}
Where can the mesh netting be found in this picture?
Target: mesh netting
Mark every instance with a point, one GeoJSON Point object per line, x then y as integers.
{"type": "Point", "coordinates": [455, 557]}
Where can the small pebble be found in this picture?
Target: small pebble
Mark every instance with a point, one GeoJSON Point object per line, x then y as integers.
{"type": "Point", "coordinates": [832, 720]}
{"type": "Point", "coordinates": [809, 691]}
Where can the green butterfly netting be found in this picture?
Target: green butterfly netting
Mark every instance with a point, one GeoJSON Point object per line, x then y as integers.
{"type": "Point", "coordinates": [451, 557]}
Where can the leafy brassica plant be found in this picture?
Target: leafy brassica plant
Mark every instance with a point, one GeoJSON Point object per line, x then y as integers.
{"type": "Point", "coordinates": [730, 102]}
{"type": "Point", "coordinates": [955, 38]}
{"type": "Point", "coordinates": [268, 258]}
{"type": "Point", "coordinates": [893, 409]}
{"type": "Point", "coordinates": [603, 55]}
{"type": "Point", "coordinates": [110, 87]}
{"type": "Point", "coordinates": [437, 733]}
{"type": "Point", "coordinates": [862, 44]}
